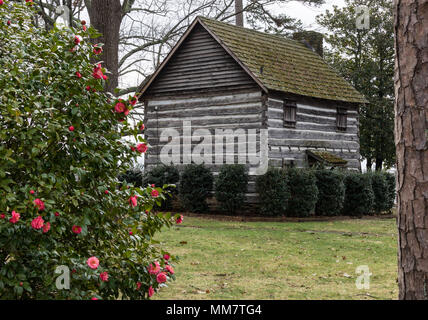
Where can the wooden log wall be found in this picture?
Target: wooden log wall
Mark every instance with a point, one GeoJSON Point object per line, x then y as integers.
{"type": "Point", "coordinates": [227, 111]}
{"type": "Point", "coordinates": [315, 129]}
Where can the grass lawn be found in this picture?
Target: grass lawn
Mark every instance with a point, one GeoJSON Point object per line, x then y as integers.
{"type": "Point", "coordinates": [281, 260]}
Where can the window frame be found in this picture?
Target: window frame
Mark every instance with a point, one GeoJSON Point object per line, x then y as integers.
{"type": "Point", "coordinates": [341, 118]}
{"type": "Point", "coordinates": [289, 108]}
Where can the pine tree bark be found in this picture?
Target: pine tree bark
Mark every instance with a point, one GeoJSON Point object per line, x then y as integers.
{"type": "Point", "coordinates": [106, 17]}
{"type": "Point", "coordinates": [411, 135]}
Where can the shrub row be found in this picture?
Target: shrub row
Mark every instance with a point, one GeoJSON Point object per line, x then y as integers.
{"type": "Point", "coordinates": [325, 192]}
{"type": "Point", "coordinates": [282, 192]}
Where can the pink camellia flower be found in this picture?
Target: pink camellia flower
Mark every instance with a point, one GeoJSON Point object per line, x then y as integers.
{"type": "Point", "coordinates": [37, 223]}
{"type": "Point", "coordinates": [142, 127]}
{"type": "Point", "coordinates": [133, 148]}
{"type": "Point", "coordinates": [179, 219]}
{"type": "Point", "coordinates": [131, 233]}
{"type": "Point", "coordinates": [126, 112]}
{"type": "Point", "coordinates": [155, 193]}
{"type": "Point", "coordinates": [78, 74]}
{"type": "Point", "coordinates": [97, 50]}
{"type": "Point", "coordinates": [166, 256]}
{"type": "Point", "coordinates": [104, 276]}
{"type": "Point", "coordinates": [93, 262]}
{"type": "Point", "coordinates": [76, 40]}
{"type": "Point", "coordinates": [15, 217]}
{"type": "Point", "coordinates": [76, 229]}
{"type": "Point", "coordinates": [71, 128]}
{"type": "Point", "coordinates": [39, 204]}
{"type": "Point", "coordinates": [161, 277]}
{"type": "Point", "coordinates": [138, 285]}
{"type": "Point", "coordinates": [98, 72]}
{"type": "Point", "coordinates": [133, 201]}
{"type": "Point", "coordinates": [106, 192]}
{"type": "Point", "coordinates": [154, 268]}
{"type": "Point", "coordinates": [88, 88]}
{"type": "Point", "coordinates": [32, 192]}
{"type": "Point", "coordinates": [84, 28]}
{"type": "Point", "coordinates": [2, 216]}
{"type": "Point", "coordinates": [94, 298]}
{"type": "Point", "coordinates": [1, 2]}
{"type": "Point", "coordinates": [133, 101]}
{"type": "Point", "coordinates": [9, 22]}
{"type": "Point", "coordinates": [141, 147]}
{"type": "Point", "coordinates": [153, 185]}
{"type": "Point", "coordinates": [151, 291]}
{"type": "Point", "coordinates": [170, 269]}
{"type": "Point", "coordinates": [56, 214]}
{"type": "Point", "coordinates": [105, 77]}
{"type": "Point", "coordinates": [119, 107]}
{"type": "Point", "coordinates": [46, 227]}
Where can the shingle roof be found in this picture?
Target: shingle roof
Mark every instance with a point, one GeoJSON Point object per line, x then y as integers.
{"type": "Point", "coordinates": [326, 157]}
{"type": "Point", "coordinates": [283, 64]}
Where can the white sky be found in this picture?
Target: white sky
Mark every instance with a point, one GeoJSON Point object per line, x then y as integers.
{"type": "Point", "coordinates": [308, 13]}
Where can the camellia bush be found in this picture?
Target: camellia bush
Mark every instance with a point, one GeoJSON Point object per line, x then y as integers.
{"type": "Point", "coordinates": [63, 212]}
{"type": "Point", "coordinates": [164, 176]}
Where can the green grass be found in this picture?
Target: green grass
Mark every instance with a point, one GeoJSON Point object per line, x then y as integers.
{"type": "Point", "coordinates": [281, 260]}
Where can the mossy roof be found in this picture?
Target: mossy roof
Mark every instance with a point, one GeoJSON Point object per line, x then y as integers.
{"type": "Point", "coordinates": [283, 64]}
{"type": "Point", "coordinates": [325, 156]}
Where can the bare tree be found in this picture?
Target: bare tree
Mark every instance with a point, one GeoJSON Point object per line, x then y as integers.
{"type": "Point", "coordinates": [137, 34]}
{"type": "Point", "coordinates": [411, 135]}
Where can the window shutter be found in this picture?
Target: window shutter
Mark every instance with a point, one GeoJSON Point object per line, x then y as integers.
{"type": "Point", "coordinates": [290, 109]}
{"type": "Point", "coordinates": [342, 119]}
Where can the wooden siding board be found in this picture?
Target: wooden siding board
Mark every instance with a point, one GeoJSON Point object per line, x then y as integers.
{"type": "Point", "coordinates": [200, 63]}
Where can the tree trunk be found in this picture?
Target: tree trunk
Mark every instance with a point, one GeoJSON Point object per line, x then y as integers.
{"type": "Point", "coordinates": [106, 17]}
{"type": "Point", "coordinates": [411, 125]}
{"type": "Point", "coordinates": [379, 164]}
{"type": "Point", "coordinates": [369, 165]}
{"type": "Point", "coordinates": [239, 18]}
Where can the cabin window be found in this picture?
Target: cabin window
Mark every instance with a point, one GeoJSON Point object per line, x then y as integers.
{"type": "Point", "coordinates": [290, 108]}
{"type": "Point", "coordinates": [341, 119]}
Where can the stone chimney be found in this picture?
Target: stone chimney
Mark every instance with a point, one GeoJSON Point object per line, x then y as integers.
{"type": "Point", "coordinates": [239, 17]}
{"type": "Point", "coordinates": [312, 39]}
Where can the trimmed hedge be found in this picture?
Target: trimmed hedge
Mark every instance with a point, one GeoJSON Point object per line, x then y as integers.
{"type": "Point", "coordinates": [380, 192]}
{"type": "Point", "coordinates": [273, 191]}
{"type": "Point", "coordinates": [391, 187]}
{"type": "Point", "coordinates": [195, 187]}
{"type": "Point", "coordinates": [160, 176]}
{"type": "Point", "coordinates": [230, 187]}
{"type": "Point", "coordinates": [133, 176]}
{"type": "Point", "coordinates": [359, 196]}
{"type": "Point", "coordinates": [331, 192]}
{"type": "Point", "coordinates": [304, 192]}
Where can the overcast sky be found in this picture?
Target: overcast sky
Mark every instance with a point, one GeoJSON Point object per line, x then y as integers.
{"type": "Point", "coordinates": [308, 13]}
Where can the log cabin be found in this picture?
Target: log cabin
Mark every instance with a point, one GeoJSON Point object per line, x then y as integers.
{"type": "Point", "coordinates": [223, 78]}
